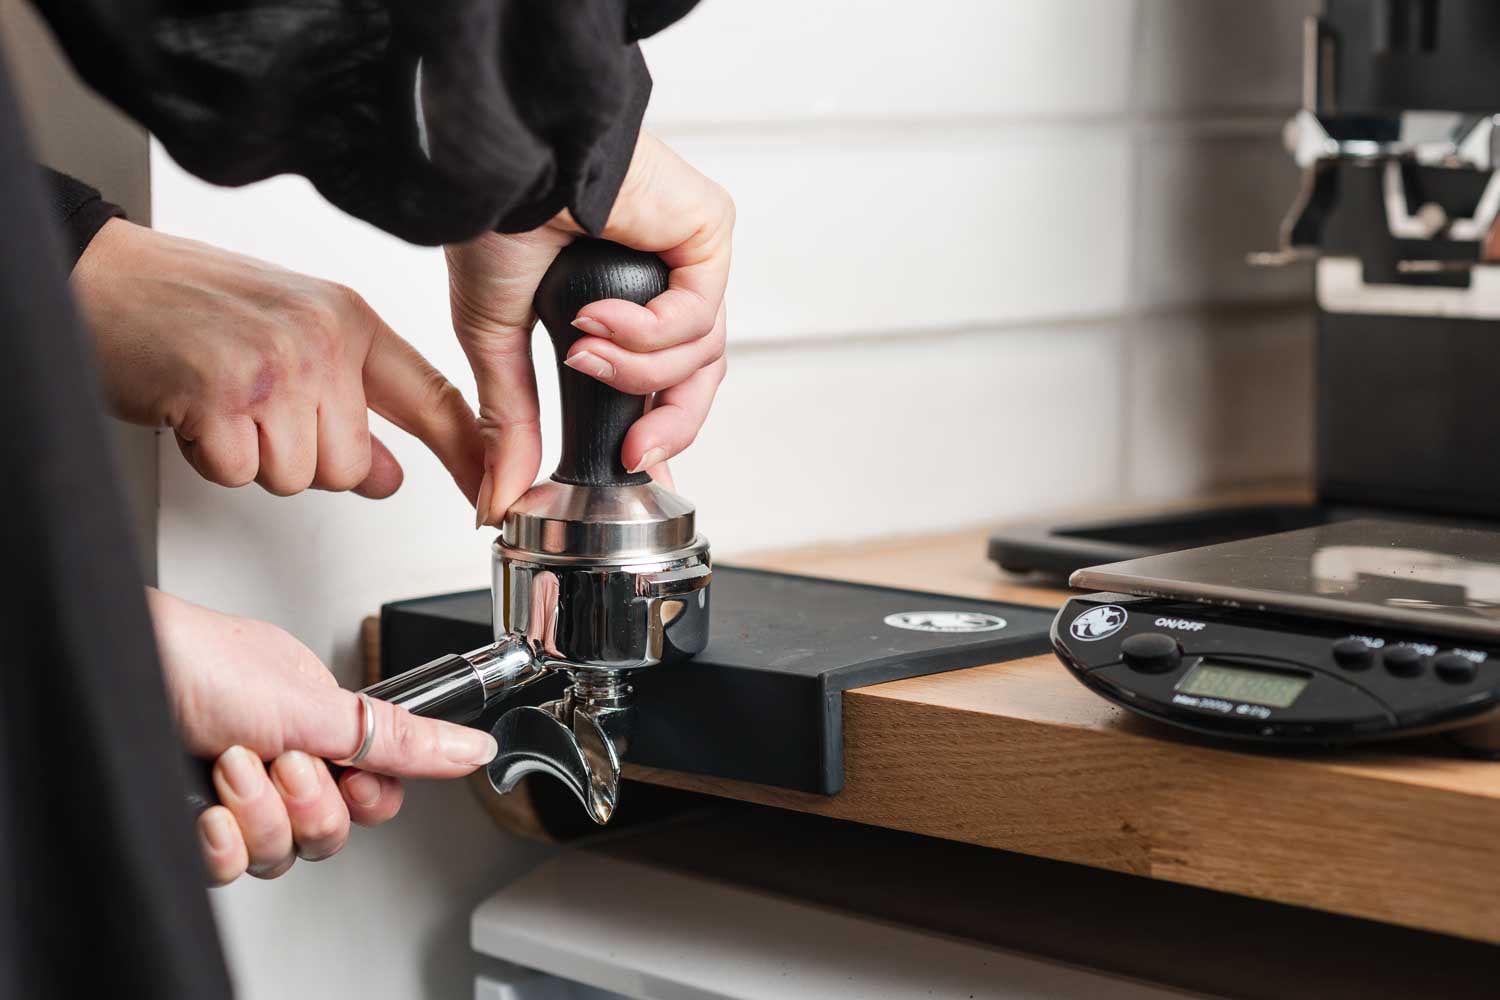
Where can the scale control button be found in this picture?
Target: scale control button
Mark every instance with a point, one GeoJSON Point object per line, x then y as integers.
{"type": "Point", "coordinates": [1151, 652]}
{"type": "Point", "coordinates": [1403, 661]}
{"type": "Point", "coordinates": [1353, 654]}
{"type": "Point", "coordinates": [1455, 668]}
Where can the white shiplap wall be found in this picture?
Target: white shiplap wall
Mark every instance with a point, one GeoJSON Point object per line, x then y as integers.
{"type": "Point", "coordinates": [989, 263]}
{"type": "Point", "coordinates": [1000, 246]}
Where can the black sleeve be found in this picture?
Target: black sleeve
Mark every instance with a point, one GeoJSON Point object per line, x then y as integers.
{"type": "Point", "coordinates": [80, 212]}
{"type": "Point", "coordinates": [433, 119]}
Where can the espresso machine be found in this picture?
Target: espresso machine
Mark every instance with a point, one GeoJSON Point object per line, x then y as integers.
{"type": "Point", "coordinates": [599, 573]}
{"type": "Point", "coordinates": [1397, 142]}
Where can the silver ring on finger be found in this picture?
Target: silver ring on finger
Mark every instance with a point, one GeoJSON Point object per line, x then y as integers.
{"type": "Point", "coordinates": [367, 726]}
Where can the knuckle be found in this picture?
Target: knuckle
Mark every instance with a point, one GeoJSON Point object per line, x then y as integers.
{"type": "Point", "coordinates": [727, 209]}
{"type": "Point", "coordinates": [635, 383]}
{"type": "Point", "coordinates": [348, 302]}
{"type": "Point", "coordinates": [279, 350]}
{"type": "Point", "coordinates": [284, 485]}
{"type": "Point", "coordinates": [441, 396]}
{"type": "Point", "coordinates": [405, 736]}
{"type": "Point", "coordinates": [326, 834]}
{"type": "Point", "coordinates": [227, 467]}
{"type": "Point", "coordinates": [265, 828]}
{"type": "Point", "coordinates": [715, 346]}
{"type": "Point", "coordinates": [349, 473]}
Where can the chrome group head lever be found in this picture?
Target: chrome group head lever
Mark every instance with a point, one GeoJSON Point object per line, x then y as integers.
{"type": "Point", "coordinates": [598, 572]}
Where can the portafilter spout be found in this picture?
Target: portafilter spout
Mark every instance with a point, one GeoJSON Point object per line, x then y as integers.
{"type": "Point", "coordinates": [598, 572]}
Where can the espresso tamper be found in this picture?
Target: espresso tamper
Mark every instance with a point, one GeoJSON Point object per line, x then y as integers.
{"type": "Point", "coordinates": [598, 572]}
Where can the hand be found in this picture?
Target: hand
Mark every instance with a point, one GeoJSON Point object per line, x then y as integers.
{"type": "Point", "coordinates": [246, 692]}
{"type": "Point", "coordinates": [262, 373]}
{"type": "Point", "coordinates": [673, 346]}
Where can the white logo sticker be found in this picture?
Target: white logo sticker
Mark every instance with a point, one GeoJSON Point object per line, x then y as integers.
{"type": "Point", "coordinates": [945, 621]}
{"type": "Point", "coordinates": [1098, 623]}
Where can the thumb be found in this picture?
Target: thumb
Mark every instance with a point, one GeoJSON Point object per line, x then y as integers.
{"type": "Point", "coordinates": [492, 281]}
{"type": "Point", "coordinates": [329, 722]}
{"type": "Point", "coordinates": [403, 387]}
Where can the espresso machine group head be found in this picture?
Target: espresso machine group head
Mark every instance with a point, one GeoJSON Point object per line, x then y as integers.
{"type": "Point", "coordinates": [598, 573]}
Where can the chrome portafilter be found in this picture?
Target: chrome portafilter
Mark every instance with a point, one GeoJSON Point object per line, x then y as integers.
{"type": "Point", "coordinates": [598, 573]}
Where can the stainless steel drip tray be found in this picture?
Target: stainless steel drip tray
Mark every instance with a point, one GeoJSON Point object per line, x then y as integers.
{"type": "Point", "coordinates": [764, 701]}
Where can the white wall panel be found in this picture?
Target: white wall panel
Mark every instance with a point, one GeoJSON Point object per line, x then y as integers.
{"type": "Point", "coordinates": [1220, 399]}
{"type": "Point", "coordinates": [734, 61]}
{"type": "Point", "coordinates": [888, 231]}
{"type": "Point", "coordinates": [910, 435]}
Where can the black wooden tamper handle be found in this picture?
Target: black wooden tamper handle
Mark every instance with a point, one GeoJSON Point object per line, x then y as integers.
{"type": "Point", "coordinates": [595, 417]}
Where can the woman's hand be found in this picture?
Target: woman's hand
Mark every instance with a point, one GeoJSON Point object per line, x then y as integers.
{"type": "Point", "coordinates": [673, 346]}
{"type": "Point", "coordinates": [263, 374]}
{"type": "Point", "coordinates": [247, 693]}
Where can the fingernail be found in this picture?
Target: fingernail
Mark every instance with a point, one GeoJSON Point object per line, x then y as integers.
{"type": "Point", "coordinates": [243, 772]}
{"type": "Point", "coordinates": [653, 457]}
{"type": "Point", "coordinates": [363, 788]}
{"type": "Point", "coordinates": [463, 745]}
{"type": "Point", "coordinates": [294, 770]}
{"type": "Point", "coordinates": [592, 327]}
{"type": "Point", "coordinates": [218, 831]}
{"type": "Point", "coordinates": [482, 501]}
{"type": "Point", "coordinates": [591, 364]}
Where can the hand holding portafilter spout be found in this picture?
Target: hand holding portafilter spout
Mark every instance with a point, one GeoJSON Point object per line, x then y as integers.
{"type": "Point", "coordinates": [598, 572]}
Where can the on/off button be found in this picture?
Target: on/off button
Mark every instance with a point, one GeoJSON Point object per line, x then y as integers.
{"type": "Point", "coordinates": [1353, 654]}
{"type": "Point", "coordinates": [1151, 653]}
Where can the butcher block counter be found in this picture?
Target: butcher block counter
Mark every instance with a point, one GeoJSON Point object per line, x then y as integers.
{"type": "Point", "coordinates": [1018, 756]}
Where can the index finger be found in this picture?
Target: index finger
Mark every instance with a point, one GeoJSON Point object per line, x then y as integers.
{"type": "Point", "coordinates": [407, 390]}
{"type": "Point", "coordinates": [329, 722]}
{"type": "Point", "coordinates": [683, 313]}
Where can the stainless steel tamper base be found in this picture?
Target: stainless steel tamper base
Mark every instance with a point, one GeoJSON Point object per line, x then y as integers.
{"type": "Point", "coordinates": [600, 581]}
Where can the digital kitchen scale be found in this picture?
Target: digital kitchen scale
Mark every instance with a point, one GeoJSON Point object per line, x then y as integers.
{"type": "Point", "coordinates": [1341, 633]}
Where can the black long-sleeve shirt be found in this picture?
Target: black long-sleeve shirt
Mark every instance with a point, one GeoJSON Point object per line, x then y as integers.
{"type": "Point", "coordinates": [434, 119]}
{"type": "Point", "coordinates": [79, 211]}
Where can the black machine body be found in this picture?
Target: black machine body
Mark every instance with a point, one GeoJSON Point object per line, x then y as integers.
{"type": "Point", "coordinates": [1268, 678]}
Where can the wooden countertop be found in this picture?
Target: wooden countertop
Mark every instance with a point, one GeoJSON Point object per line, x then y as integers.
{"type": "Point", "coordinates": [1019, 756]}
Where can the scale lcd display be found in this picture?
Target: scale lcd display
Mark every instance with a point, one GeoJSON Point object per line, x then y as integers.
{"type": "Point", "coordinates": [1213, 679]}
